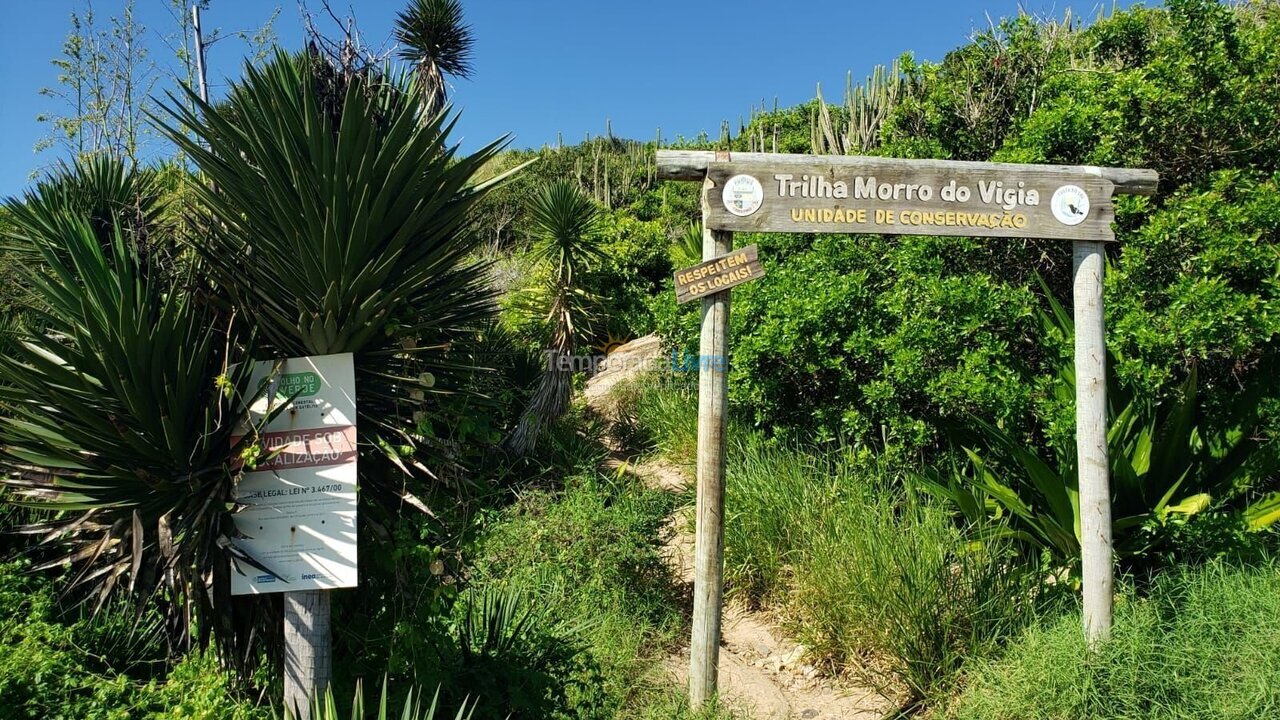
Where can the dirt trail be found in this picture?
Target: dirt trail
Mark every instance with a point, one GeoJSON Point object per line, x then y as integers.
{"type": "Point", "coordinates": [762, 671]}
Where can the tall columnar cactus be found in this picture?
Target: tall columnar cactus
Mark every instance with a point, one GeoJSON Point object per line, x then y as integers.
{"type": "Point", "coordinates": [867, 106]}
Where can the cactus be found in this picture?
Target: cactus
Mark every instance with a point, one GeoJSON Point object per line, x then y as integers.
{"type": "Point", "coordinates": [866, 106]}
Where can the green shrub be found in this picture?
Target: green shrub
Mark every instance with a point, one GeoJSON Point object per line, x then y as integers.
{"type": "Point", "coordinates": [514, 660]}
{"type": "Point", "coordinates": [588, 558]}
{"type": "Point", "coordinates": [1204, 645]}
{"type": "Point", "coordinates": [50, 668]}
{"type": "Point", "coordinates": [899, 592]}
{"type": "Point", "coordinates": [1178, 472]}
{"type": "Point", "coordinates": [199, 689]}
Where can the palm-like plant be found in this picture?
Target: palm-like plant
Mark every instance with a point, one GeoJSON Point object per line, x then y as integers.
{"type": "Point", "coordinates": [111, 416]}
{"type": "Point", "coordinates": [343, 225]}
{"type": "Point", "coordinates": [340, 223]}
{"type": "Point", "coordinates": [1169, 463]}
{"type": "Point", "coordinates": [437, 41]}
{"type": "Point", "coordinates": [563, 222]}
{"type": "Point", "coordinates": [326, 708]}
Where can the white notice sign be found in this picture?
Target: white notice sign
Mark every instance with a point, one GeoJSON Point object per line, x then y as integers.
{"type": "Point", "coordinates": [299, 514]}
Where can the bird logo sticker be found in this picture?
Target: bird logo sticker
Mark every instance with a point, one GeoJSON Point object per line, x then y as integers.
{"type": "Point", "coordinates": [1070, 205]}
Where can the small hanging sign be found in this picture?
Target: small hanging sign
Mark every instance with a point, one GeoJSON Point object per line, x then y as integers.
{"type": "Point", "coordinates": [741, 265]}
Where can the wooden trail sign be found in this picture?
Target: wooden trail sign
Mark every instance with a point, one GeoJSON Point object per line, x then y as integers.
{"type": "Point", "coordinates": [763, 192]}
{"type": "Point", "coordinates": [912, 197]}
{"type": "Point", "coordinates": [717, 274]}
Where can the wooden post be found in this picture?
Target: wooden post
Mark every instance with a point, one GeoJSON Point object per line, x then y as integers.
{"type": "Point", "coordinates": [1096, 561]}
{"type": "Point", "coordinates": [708, 587]}
{"type": "Point", "coordinates": [308, 649]}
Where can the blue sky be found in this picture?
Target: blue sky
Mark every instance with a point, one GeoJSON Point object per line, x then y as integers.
{"type": "Point", "coordinates": [549, 66]}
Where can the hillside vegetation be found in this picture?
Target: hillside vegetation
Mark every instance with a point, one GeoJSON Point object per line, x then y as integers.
{"type": "Point", "coordinates": [901, 473]}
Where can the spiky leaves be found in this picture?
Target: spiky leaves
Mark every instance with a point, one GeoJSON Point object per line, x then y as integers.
{"type": "Point", "coordinates": [438, 42]}
{"type": "Point", "coordinates": [111, 412]}
{"type": "Point", "coordinates": [346, 233]}
{"type": "Point", "coordinates": [102, 189]}
{"type": "Point", "coordinates": [564, 221]}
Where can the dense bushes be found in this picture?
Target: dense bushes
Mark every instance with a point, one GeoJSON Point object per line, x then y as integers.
{"type": "Point", "coordinates": [588, 557]}
{"type": "Point", "coordinates": [874, 341]}
{"type": "Point", "coordinates": [1204, 645]}
{"type": "Point", "coordinates": [57, 664]}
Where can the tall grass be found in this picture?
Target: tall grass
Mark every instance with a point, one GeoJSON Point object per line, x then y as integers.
{"type": "Point", "coordinates": [871, 578]}
{"type": "Point", "coordinates": [896, 580]}
{"type": "Point", "coordinates": [657, 414]}
{"type": "Point", "coordinates": [775, 497]}
{"type": "Point", "coordinates": [587, 556]}
{"type": "Point", "coordinates": [1203, 645]}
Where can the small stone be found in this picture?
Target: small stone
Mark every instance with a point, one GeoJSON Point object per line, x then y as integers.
{"type": "Point", "coordinates": [810, 713]}
{"type": "Point", "coordinates": [794, 656]}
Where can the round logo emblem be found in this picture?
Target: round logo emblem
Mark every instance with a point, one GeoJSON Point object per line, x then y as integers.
{"type": "Point", "coordinates": [1070, 205]}
{"type": "Point", "coordinates": [743, 195]}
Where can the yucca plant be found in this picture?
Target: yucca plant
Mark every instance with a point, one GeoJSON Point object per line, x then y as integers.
{"type": "Point", "coordinates": [687, 249]}
{"type": "Point", "coordinates": [1169, 464]}
{"type": "Point", "coordinates": [326, 708]}
{"type": "Point", "coordinates": [563, 220]}
{"type": "Point", "coordinates": [342, 224]}
{"type": "Point", "coordinates": [116, 406]}
{"type": "Point", "coordinates": [105, 190]}
{"type": "Point", "coordinates": [434, 37]}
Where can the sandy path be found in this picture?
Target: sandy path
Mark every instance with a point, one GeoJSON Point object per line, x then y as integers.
{"type": "Point", "coordinates": [761, 670]}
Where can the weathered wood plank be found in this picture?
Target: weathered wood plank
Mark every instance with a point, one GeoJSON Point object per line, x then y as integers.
{"type": "Point", "coordinates": [887, 197]}
{"type": "Point", "coordinates": [692, 165]}
{"type": "Point", "coordinates": [721, 273]}
{"type": "Point", "coordinates": [708, 571]}
{"type": "Point", "coordinates": [1097, 563]}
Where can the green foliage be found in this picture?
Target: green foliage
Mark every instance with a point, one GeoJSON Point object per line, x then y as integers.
{"type": "Point", "coordinates": [876, 342]}
{"type": "Point", "coordinates": [777, 498]}
{"type": "Point", "coordinates": [784, 130]}
{"type": "Point", "coordinates": [867, 340]}
{"type": "Point", "coordinates": [1197, 283]}
{"type": "Point", "coordinates": [52, 667]}
{"type": "Point", "coordinates": [1171, 466]}
{"type": "Point", "coordinates": [588, 556]}
{"type": "Point", "coordinates": [657, 413]}
{"type": "Point", "coordinates": [326, 708]}
{"type": "Point", "coordinates": [564, 221]}
{"type": "Point", "coordinates": [103, 190]}
{"type": "Point", "coordinates": [858, 568]}
{"type": "Point", "coordinates": [1204, 645]}
{"type": "Point", "coordinates": [339, 223]}
{"type": "Point", "coordinates": [896, 581]}
{"type": "Point", "coordinates": [634, 266]}
{"type": "Point", "coordinates": [112, 414]}
{"type": "Point", "coordinates": [516, 660]}
{"type": "Point", "coordinates": [433, 33]}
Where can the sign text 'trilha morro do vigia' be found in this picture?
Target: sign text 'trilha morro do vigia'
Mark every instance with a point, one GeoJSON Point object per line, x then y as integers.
{"type": "Point", "coordinates": [911, 197]}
